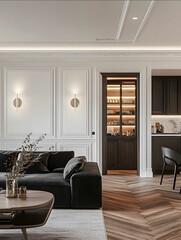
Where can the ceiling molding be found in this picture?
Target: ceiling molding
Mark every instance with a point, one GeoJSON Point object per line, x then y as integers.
{"type": "Point", "coordinates": [122, 19]}
{"type": "Point", "coordinates": [85, 48]}
{"type": "Point", "coordinates": [172, 57]}
{"type": "Point", "coordinates": [144, 20]}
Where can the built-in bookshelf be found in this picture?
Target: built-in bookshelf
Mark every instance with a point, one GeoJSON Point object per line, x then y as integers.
{"type": "Point", "coordinates": [121, 108]}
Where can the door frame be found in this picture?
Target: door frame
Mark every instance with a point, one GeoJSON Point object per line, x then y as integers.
{"type": "Point", "coordinates": [144, 165]}
{"type": "Point", "coordinates": [104, 105]}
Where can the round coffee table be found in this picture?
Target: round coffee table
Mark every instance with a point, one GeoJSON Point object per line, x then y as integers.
{"type": "Point", "coordinates": [26, 213]}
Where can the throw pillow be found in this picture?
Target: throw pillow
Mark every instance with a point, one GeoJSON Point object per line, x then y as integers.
{"type": "Point", "coordinates": [39, 164]}
{"type": "Point", "coordinates": [59, 159]}
{"type": "Point", "coordinates": [74, 165]}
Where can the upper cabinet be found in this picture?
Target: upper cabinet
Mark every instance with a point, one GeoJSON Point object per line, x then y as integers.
{"type": "Point", "coordinates": [166, 95]}
{"type": "Point", "coordinates": [171, 96]}
{"type": "Point", "coordinates": [158, 96]}
{"type": "Point", "coordinates": [179, 97]}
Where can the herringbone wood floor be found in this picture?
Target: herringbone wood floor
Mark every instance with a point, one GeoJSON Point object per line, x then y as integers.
{"type": "Point", "coordinates": [137, 208]}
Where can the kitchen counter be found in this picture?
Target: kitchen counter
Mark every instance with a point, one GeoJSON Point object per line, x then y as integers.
{"type": "Point", "coordinates": [166, 134]}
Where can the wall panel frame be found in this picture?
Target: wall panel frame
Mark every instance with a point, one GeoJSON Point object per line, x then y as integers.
{"type": "Point", "coordinates": [25, 70]}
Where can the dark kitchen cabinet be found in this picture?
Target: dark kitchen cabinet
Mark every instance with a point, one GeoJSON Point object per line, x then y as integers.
{"type": "Point", "coordinates": [171, 96]}
{"type": "Point", "coordinates": [158, 96]}
{"type": "Point", "coordinates": [157, 143]}
{"type": "Point", "coordinates": [179, 96]}
{"type": "Point", "coordinates": [166, 95]}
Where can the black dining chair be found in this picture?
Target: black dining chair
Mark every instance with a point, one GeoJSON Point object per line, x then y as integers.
{"type": "Point", "coordinates": [172, 158]}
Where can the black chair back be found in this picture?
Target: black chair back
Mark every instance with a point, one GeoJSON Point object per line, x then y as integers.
{"type": "Point", "coordinates": [170, 156]}
{"type": "Point", "coordinates": [173, 158]}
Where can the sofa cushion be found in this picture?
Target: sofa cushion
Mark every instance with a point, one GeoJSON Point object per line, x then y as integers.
{"type": "Point", "coordinates": [73, 166]}
{"type": "Point", "coordinates": [50, 182]}
{"type": "Point", "coordinates": [39, 164]}
{"type": "Point", "coordinates": [59, 159]}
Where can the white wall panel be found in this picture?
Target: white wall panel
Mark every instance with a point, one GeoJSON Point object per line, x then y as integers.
{"type": "Point", "coordinates": [15, 146]}
{"type": "Point", "coordinates": [75, 122]}
{"type": "Point", "coordinates": [36, 89]}
{"type": "Point", "coordinates": [79, 149]}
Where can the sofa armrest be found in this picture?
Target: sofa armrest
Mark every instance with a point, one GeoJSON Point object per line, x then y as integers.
{"type": "Point", "coordinates": [86, 187]}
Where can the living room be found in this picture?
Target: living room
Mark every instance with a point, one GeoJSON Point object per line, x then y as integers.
{"type": "Point", "coordinates": [91, 90]}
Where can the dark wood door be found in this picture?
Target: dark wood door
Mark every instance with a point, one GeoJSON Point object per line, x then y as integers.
{"type": "Point", "coordinates": [113, 158]}
{"type": "Point", "coordinates": [171, 96]}
{"type": "Point", "coordinates": [157, 143]}
{"type": "Point", "coordinates": [119, 115]}
{"type": "Point", "coordinates": [128, 153]}
{"type": "Point", "coordinates": [179, 95]}
{"type": "Point", "coordinates": [158, 95]}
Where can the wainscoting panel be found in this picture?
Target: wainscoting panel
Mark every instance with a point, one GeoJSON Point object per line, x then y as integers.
{"type": "Point", "coordinates": [36, 90]}
{"type": "Point", "coordinates": [75, 121]}
{"type": "Point", "coordinates": [79, 149]}
{"type": "Point", "coordinates": [42, 147]}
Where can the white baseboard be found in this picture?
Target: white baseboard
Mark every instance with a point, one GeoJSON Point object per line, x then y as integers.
{"type": "Point", "coordinates": [149, 172]}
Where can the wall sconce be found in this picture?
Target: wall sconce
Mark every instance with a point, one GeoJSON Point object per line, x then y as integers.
{"type": "Point", "coordinates": [75, 102]}
{"type": "Point", "coordinates": [17, 102]}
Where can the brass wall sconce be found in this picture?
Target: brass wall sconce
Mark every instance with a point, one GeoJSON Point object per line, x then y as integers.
{"type": "Point", "coordinates": [17, 102]}
{"type": "Point", "coordinates": [75, 102]}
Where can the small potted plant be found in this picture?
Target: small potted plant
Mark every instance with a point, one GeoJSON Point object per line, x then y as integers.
{"type": "Point", "coordinates": [19, 163]}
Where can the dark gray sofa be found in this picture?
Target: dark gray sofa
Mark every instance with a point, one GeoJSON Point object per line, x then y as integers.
{"type": "Point", "coordinates": [84, 190]}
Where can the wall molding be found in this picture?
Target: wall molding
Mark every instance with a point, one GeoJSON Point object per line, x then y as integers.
{"type": "Point", "coordinates": [142, 54]}
{"type": "Point", "coordinates": [52, 98]}
{"type": "Point", "coordinates": [87, 134]}
{"type": "Point", "coordinates": [86, 146]}
{"type": "Point", "coordinates": [42, 146]}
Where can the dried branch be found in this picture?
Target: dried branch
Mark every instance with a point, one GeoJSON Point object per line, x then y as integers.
{"type": "Point", "coordinates": [18, 164]}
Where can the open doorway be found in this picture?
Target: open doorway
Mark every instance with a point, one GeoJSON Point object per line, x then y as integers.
{"type": "Point", "coordinates": [120, 116]}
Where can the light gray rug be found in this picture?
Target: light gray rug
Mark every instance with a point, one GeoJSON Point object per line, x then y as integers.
{"type": "Point", "coordinates": [65, 225]}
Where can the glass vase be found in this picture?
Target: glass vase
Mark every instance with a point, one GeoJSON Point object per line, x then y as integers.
{"type": "Point", "coordinates": [11, 187]}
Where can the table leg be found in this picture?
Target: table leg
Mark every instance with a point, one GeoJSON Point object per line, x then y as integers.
{"type": "Point", "coordinates": [24, 233]}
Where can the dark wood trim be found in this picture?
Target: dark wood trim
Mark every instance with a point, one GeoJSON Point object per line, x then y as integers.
{"type": "Point", "coordinates": [104, 116]}
{"type": "Point", "coordinates": [120, 112]}
{"type": "Point", "coordinates": [104, 123]}
{"type": "Point", "coordinates": [138, 124]}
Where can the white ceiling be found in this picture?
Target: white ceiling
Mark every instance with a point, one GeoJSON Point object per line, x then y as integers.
{"type": "Point", "coordinates": [90, 23]}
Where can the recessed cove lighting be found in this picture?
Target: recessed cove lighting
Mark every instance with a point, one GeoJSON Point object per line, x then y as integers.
{"type": "Point", "coordinates": [135, 18]}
